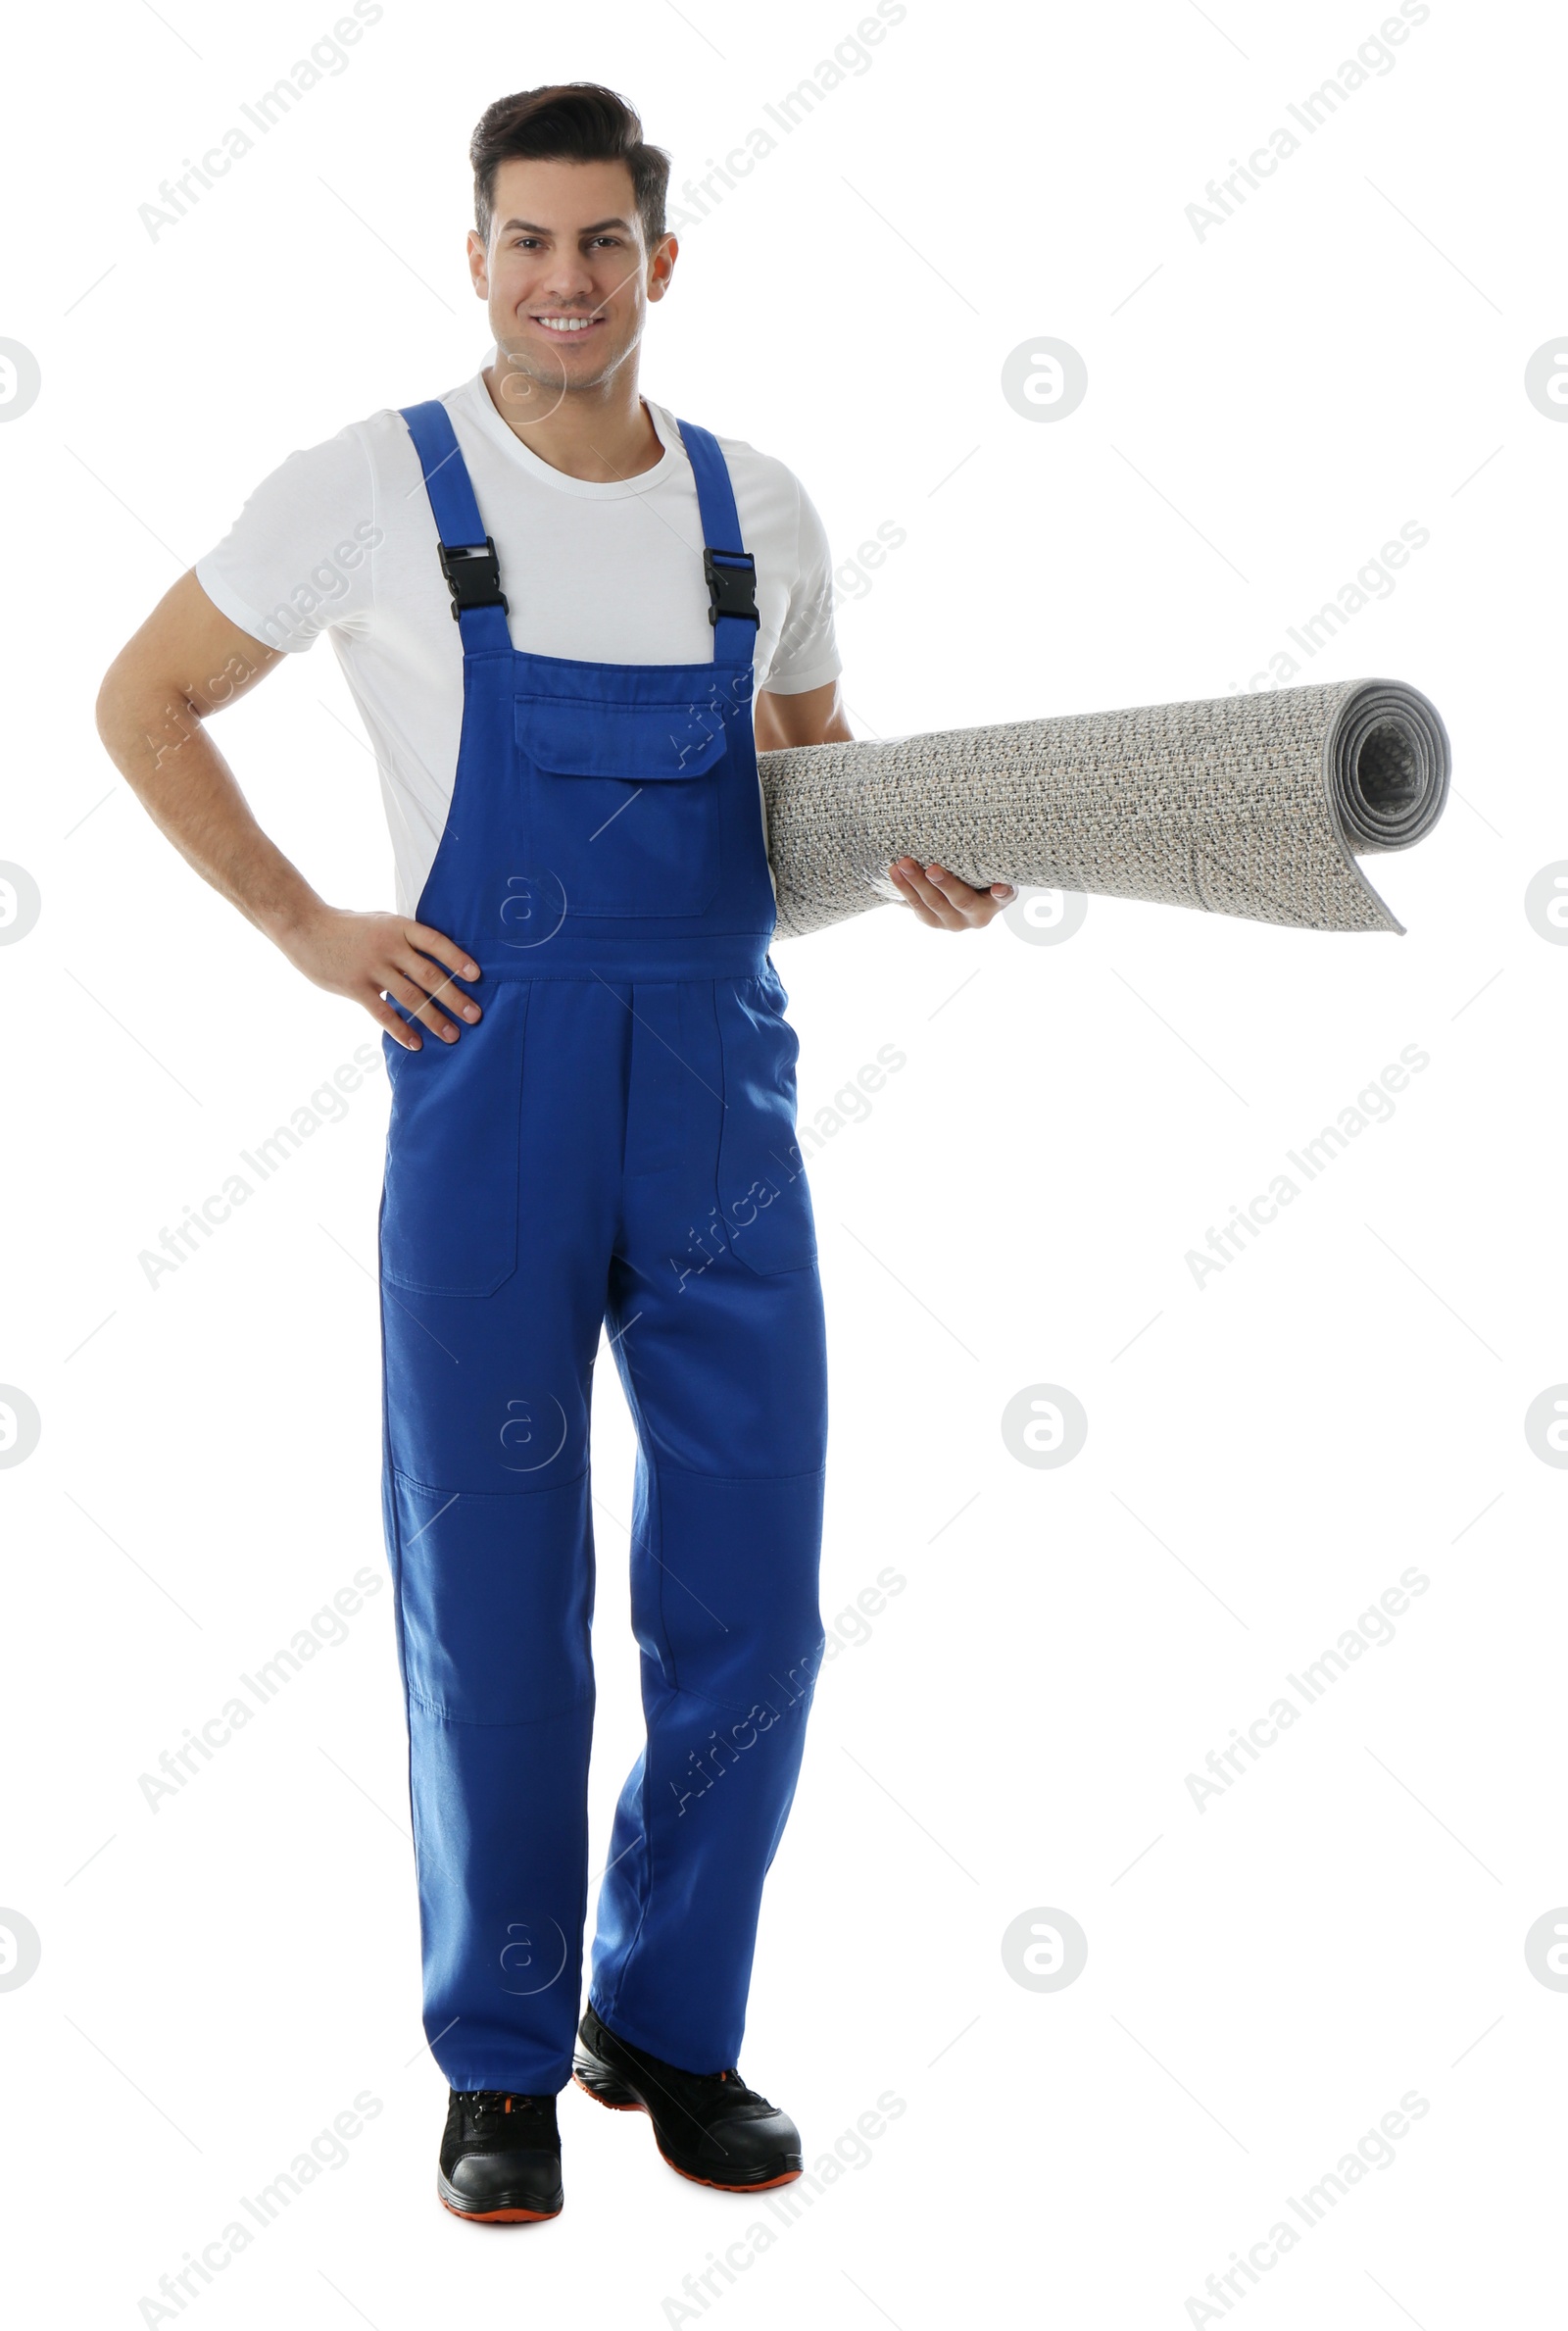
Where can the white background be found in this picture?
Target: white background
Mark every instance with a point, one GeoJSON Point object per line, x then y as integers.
{"type": "Point", "coordinates": [1265, 1978]}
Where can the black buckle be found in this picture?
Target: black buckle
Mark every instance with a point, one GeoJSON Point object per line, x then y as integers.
{"type": "Point", "coordinates": [473, 576]}
{"type": "Point", "coordinates": [731, 584]}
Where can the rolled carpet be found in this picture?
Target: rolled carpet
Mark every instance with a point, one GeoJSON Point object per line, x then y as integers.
{"type": "Point", "coordinates": [1251, 805]}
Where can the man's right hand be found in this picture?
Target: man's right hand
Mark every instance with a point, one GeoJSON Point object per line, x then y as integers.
{"type": "Point", "coordinates": [370, 958]}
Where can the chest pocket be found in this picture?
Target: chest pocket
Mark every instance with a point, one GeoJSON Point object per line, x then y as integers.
{"type": "Point", "coordinates": [622, 803]}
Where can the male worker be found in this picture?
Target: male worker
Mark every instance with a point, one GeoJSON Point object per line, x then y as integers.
{"type": "Point", "coordinates": [552, 601]}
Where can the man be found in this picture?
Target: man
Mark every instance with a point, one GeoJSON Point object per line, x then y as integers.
{"type": "Point", "coordinates": [603, 1132]}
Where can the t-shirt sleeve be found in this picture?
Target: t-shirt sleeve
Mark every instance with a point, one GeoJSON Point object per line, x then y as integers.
{"type": "Point", "coordinates": [300, 557]}
{"type": "Point", "coordinates": [806, 655]}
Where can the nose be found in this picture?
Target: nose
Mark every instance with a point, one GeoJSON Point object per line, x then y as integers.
{"type": "Point", "coordinates": [566, 282]}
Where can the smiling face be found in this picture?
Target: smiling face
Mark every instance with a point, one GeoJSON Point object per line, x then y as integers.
{"type": "Point", "coordinates": [568, 278]}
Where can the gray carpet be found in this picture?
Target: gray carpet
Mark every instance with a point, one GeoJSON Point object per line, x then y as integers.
{"type": "Point", "coordinates": [1256, 806]}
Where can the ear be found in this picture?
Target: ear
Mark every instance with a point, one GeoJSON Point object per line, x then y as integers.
{"type": "Point", "coordinates": [662, 266]}
{"type": "Point", "coordinates": [478, 266]}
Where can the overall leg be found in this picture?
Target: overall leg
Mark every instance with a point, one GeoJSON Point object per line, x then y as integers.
{"type": "Point", "coordinates": [723, 1365]}
{"type": "Point", "coordinates": [488, 1511]}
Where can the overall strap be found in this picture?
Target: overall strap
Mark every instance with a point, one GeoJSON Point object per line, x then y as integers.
{"type": "Point", "coordinates": [730, 570]}
{"type": "Point", "coordinates": [466, 552]}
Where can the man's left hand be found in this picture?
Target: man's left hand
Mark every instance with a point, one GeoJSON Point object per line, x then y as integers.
{"type": "Point", "coordinates": [945, 901]}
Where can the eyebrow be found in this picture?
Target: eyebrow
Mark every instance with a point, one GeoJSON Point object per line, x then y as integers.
{"type": "Point", "coordinates": [528, 227]}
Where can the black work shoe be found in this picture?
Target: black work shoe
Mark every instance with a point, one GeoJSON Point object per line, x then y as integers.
{"type": "Point", "coordinates": [500, 2155]}
{"type": "Point", "coordinates": [707, 2126]}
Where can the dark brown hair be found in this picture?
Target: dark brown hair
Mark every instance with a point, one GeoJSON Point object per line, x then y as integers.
{"type": "Point", "coordinates": [568, 122]}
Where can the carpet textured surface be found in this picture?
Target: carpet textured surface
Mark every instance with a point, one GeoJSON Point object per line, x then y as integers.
{"type": "Point", "coordinates": [1251, 805]}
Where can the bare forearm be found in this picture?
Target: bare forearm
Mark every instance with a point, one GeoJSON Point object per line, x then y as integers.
{"type": "Point", "coordinates": [167, 755]}
{"type": "Point", "coordinates": [187, 661]}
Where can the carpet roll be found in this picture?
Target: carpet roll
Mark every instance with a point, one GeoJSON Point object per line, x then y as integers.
{"type": "Point", "coordinates": [1250, 805]}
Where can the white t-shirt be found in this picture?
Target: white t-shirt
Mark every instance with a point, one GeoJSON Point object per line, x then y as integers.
{"type": "Point", "coordinates": [341, 539]}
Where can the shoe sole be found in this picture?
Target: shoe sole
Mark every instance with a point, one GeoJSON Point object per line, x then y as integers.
{"type": "Point", "coordinates": [623, 2101]}
{"type": "Point", "coordinates": [514, 2216]}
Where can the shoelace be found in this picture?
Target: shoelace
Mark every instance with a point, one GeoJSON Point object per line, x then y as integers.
{"type": "Point", "coordinates": [736, 2091]}
{"type": "Point", "coordinates": [484, 2103]}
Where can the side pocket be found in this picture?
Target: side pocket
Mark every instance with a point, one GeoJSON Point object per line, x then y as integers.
{"type": "Point", "coordinates": [448, 1216]}
{"type": "Point", "coordinates": [763, 1200]}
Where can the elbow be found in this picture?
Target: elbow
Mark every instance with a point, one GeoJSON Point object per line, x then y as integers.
{"type": "Point", "coordinates": [138, 723]}
{"type": "Point", "coordinates": [106, 708]}
{"type": "Point", "coordinates": [116, 712]}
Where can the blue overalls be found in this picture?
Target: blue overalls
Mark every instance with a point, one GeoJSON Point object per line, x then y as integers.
{"type": "Point", "coordinates": [611, 1144]}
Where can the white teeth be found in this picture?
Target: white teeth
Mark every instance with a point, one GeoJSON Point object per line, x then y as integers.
{"type": "Point", "coordinates": [565, 323]}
